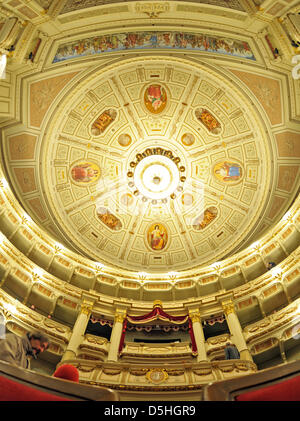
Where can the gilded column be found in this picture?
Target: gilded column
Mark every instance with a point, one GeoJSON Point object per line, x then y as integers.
{"type": "Point", "coordinates": [116, 334]}
{"type": "Point", "coordinates": [199, 336]}
{"type": "Point", "coordinates": [78, 330]}
{"type": "Point", "coordinates": [236, 330]}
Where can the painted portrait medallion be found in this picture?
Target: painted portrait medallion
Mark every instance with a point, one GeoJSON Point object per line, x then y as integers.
{"type": "Point", "coordinates": [124, 140]}
{"type": "Point", "coordinates": [208, 120]}
{"type": "Point", "coordinates": [188, 139]}
{"type": "Point", "coordinates": [202, 221]}
{"type": "Point", "coordinates": [155, 98]}
{"type": "Point", "coordinates": [109, 219]}
{"type": "Point", "coordinates": [157, 237]}
{"type": "Point", "coordinates": [228, 172]}
{"type": "Point", "coordinates": [84, 172]}
{"type": "Point", "coordinates": [103, 121]}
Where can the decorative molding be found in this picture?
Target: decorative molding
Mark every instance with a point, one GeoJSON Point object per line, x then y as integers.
{"type": "Point", "coordinates": [228, 307]}
{"type": "Point", "coordinates": [153, 10]}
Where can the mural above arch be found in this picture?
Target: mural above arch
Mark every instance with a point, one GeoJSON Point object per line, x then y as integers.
{"type": "Point", "coordinates": [84, 172]}
{"type": "Point", "coordinates": [203, 220]}
{"type": "Point", "coordinates": [103, 121]}
{"type": "Point", "coordinates": [145, 40]}
{"type": "Point", "coordinates": [228, 172]}
{"type": "Point", "coordinates": [109, 219]}
{"type": "Point", "coordinates": [157, 237]}
{"type": "Point", "coordinates": [155, 98]}
{"type": "Point", "coordinates": [208, 120]}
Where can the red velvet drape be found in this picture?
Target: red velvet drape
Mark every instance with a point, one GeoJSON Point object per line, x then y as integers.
{"type": "Point", "coordinates": [158, 313]}
{"type": "Point", "coordinates": [121, 345]}
{"type": "Point", "coordinates": [191, 332]}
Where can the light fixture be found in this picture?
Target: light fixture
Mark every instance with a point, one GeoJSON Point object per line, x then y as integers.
{"type": "Point", "coordinates": [155, 175]}
{"type": "Point", "coordinates": [3, 60]}
{"type": "Point", "coordinates": [2, 238]}
{"type": "Point", "coordinates": [216, 266]}
{"type": "Point", "coordinates": [4, 183]}
{"type": "Point", "coordinates": [255, 246]}
{"type": "Point", "coordinates": [26, 218]}
{"type": "Point", "coordinates": [10, 308]}
{"type": "Point", "coordinates": [58, 247]}
{"type": "Point", "coordinates": [172, 275]}
{"type": "Point", "coordinates": [37, 272]}
{"type": "Point", "coordinates": [287, 216]}
{"type": "Point", "coordinates": [99, 267]}
{"type": "Point", "coordinates": [142, 275]}
{"type": "Point", "coordinates": [277, 272]}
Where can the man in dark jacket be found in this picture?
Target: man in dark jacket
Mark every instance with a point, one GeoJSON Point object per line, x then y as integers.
{"type": "Point", "coordinates": [231, 352]}
{"type": "Point", "coordinates": [18, 350]}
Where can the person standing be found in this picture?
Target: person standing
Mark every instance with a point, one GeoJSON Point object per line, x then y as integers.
{"type": "Point", "coordinates": [231, 352]}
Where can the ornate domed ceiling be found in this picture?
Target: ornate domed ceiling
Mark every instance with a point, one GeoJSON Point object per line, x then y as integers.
{"type": "Point", "coordinates": [151, 160]}
{"type": "Point", "coordinates": [155, 163]}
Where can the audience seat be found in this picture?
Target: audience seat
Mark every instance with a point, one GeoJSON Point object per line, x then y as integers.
{"type": "Point", "coordinates": [17, 384]}
{"type": "Point", "coordinates": [280, 383]}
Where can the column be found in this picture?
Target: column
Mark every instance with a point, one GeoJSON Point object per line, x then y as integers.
{"type": "Point", "coordinates": [199, 336]}
{"type": "Point", "coordinates": [116, 334]}
{"type": "Point", "coordinates": [282, 351]}
{"type": "Point", "coordinates": [236, 330]}
{"type": "Point", "coordinates": [78, 330]}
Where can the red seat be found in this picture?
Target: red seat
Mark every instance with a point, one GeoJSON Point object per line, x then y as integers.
{"type": "Point", "coordinates": [13, 391]}
{"type": "Point", "coordinates": [287, 390]}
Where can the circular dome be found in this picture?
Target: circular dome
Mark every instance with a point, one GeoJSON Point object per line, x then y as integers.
{"type": "Point", "coordinates": [88, 173]}
{"type": "Point", "coordinates": [156, 178]}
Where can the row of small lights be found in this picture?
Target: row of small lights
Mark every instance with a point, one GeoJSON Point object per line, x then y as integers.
{"type": "Point", "coordinates": [99, 267]}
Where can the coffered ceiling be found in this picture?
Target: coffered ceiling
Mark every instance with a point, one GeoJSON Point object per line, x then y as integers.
{"type": "Point", "coordinates": [153, 150]}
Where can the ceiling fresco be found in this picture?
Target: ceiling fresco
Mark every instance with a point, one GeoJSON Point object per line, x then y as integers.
{"type": "Point", "coordinates": [149, 40]}
{"type": "Point", "coordinates": [152, 148]}
{"type": "Point", "coordinates": [155, 163]}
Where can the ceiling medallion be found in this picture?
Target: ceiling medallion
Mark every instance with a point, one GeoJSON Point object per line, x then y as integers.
{"type": "Point", "coordinates": [156, 174]}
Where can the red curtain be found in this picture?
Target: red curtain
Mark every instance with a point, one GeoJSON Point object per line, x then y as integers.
{"type": "Point", "coordinates": [158, 313]}
{"type": "Point", "coordinates": [121, 345]}
{"type": "Point", "coordinates": [191, 332]}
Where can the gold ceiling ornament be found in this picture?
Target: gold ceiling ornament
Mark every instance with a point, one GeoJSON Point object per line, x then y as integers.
{"type": "Point", "coordinates": [157, 375]}
{"type": "Point", "coordinates": [157, 303]}
{"type": "Point", "coordinates": [156, 175]}
{"type": "Point", "coordinates": [152, 9]}
{"type": "Point", "coordinates": [228, 307]}
{"type": "Point", "coordinates": [86, 308]}
{"type": "Point", "coordinates": [195, 317]}
{"type": "Point", "coordinates": [120, 317]}
{"type": "Point", "coordinates": [160, 137]}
